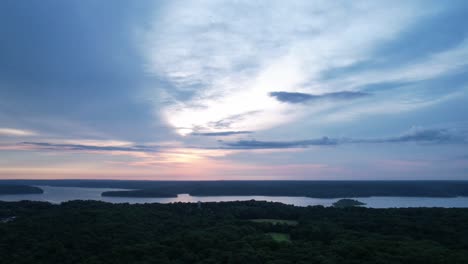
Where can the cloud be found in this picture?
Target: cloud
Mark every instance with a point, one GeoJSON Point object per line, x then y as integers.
{"type": "Point", "coordinates": [446, 62]}
{"type": "Point", "coordinates": [16, 132]}
{"type": "Point", "coordinates": [224, 133]}
{"type": "Point", "coordinates": [423, 135]}
{"type": "Point", "coordinates": [230, 55]}
{"type": "Point", "coordinates": [254, 144]}
{"type": "Point", "coordinates": [417, 135]}
{"type": "Point", "coordinates": [228, 121]}
{"type": "Point", "coordinates": [54, 146]}
{"type": "Point", "coordinates": [294, 97]}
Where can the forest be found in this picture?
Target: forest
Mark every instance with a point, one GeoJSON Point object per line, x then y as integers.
{"type": "Point", "coordinates": [95, 232]}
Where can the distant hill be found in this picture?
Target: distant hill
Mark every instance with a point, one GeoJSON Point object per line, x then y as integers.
{"type": "Point", "coordinates": [18, 189]}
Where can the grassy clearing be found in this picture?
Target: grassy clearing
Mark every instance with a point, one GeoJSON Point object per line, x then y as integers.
{"type": "Point", "coordinates": [276, 221]}
{"type": "Point", "coordinates": [280, 237]}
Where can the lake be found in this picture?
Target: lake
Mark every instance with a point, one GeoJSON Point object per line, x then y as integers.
{"type": "Point", "coordinates": [63, 194]}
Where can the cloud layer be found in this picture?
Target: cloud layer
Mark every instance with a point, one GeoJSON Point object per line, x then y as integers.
{"type": "Point", "coordinates": [434, 136]}
{"type": "Point", "coordinates": [75, 147]}
{"type": "Point", "coordinates": [223, 133]}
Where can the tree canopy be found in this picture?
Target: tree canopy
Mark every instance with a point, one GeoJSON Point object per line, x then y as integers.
{"type": "Point", "coordinates": [98, 232]}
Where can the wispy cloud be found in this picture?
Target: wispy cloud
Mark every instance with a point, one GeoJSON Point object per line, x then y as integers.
{"type": "Point", "coordinates": [223, 133]}
{"type": "Point", "coordinates": [255, 144]}
{"type": "Point", "coordinates": [417, 135]}
{"type": "Point", "coordinates": [228, 121]}
{"type": "Point", "coordinates": [295, 97]}
{"type": "Point", "coordinates": [16, 132]}
{"type": "Point", "coordinates": [450, 61]}
{"type": "Point", "coordinates": [56, 146]}
{"type": "Point", "coordinates": [423, 135]}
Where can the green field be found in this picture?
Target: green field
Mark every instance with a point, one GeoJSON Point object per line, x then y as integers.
{"type": "Point", "coordinates": [275, 221]}
{"type": "Point", "coordinates": [280, 237]}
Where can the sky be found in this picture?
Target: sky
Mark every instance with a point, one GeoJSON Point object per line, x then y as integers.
{"type": "Point", "coordinates": [234, 90]}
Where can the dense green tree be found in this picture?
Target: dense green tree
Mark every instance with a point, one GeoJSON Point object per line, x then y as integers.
{"type": "Point", "coordinates": [91, 232]}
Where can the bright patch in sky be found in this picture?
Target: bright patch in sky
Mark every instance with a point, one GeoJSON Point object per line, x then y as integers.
{"type": "Point", "coordinates": [232, 55]}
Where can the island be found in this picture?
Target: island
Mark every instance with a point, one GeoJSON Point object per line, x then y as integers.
{"type": "Point", "coordinates": [343, 203]}
{"type": "Point", "coordinates": [140, 194]}
{"type": "Point", "coordinates": [19, 189]}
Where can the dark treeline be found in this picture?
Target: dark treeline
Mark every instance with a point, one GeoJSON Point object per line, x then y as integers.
{"type": "Point", "coordinates": [318, 189]}
{"type": "Point", "coordinates": [96, 232]}
{"type": "Point", "coordinates": [18, 189]}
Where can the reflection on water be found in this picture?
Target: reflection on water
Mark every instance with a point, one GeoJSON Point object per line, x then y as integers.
{"type": "Point", "coordinates": [63, 194]}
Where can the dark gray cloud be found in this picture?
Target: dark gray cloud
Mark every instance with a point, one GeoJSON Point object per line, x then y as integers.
{"type": "Point", "coordinates": [434, 136]}
{"type": "Point", "coordinates": [254, 144]}
{"type": "Point", "coordinates": [53, 146]}
{"type": "Point", "coordinates": [225, 133]}
{"type": "Point", "coordinates": [295, 98]}
{"type": "Point", "coordinates": [423, 135]}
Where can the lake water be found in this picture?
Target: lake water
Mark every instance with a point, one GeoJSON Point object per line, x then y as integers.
{"type": "Point", "coordinates": [63, 194]}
